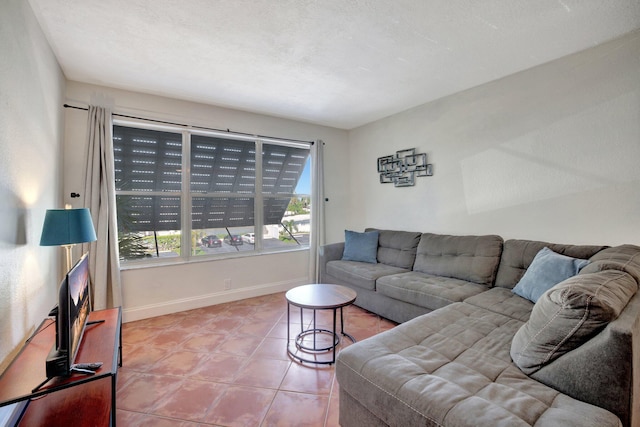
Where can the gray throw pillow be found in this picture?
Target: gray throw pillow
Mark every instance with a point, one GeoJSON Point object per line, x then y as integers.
{"type": "Point", "coordinates": [547, 269]}
{"type": "Point", "coordinates": [361, 247]}
{"type": "Point", "coordinates": [569, 315]}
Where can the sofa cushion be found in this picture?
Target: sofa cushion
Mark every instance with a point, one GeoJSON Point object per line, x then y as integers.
{"type": "Point", "coordinates": [427, 290]}
{"type": "Point", "coordinates": [471, 258]}
{"type": "Point", "coordinates": [624, 258]}
{"type": "Point", "coordinates": [568, 315]}
{"type": "Point", "coordinates": [452, 367]}
{"type": "Point", "coordinates": [361, 274]}
{"type": "Point", "coordinates": [547, 269]}
{"type": "Point", "coordinates": [517, 255]}
{"type": "Point", "coordinates": [361, 247]}
{"type": "Point", "coordinates": [503, 301]}
{"type": "Point", "coordinates": [397, 248]}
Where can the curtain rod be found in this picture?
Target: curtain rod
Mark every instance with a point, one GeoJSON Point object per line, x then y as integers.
{"type": "Point", "coordinates": [193, 127]}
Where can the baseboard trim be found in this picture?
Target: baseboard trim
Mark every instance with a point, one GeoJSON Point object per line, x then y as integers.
{"type": "Point", "coordinates": [184, 304]}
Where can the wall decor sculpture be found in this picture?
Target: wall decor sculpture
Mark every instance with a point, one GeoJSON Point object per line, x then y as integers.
{"type": "Point", "coordinates": [402, 168]}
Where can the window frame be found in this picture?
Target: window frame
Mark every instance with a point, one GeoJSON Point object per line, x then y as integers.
{"type": "Point", "coordinates": [186, 194]}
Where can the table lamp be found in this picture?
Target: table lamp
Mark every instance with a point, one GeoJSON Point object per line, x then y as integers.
{"type": "Point", "coordinates": [66, 227]}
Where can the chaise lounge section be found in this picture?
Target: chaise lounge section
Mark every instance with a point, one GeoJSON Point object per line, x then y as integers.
{"type": "Point", "coordinates": [482, 354]}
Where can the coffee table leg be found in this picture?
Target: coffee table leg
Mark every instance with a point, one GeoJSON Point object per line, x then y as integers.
{"type": "Point", "coordinates": [353, 340]}
{"type": "Point", "coordinates": [301, 325]}
{"type": "Point", "coordinates": [334, 333]}
{"type": "Point", "coordinates": [315, 347]}
{"type": "Point", "coordinates": [288, 323]}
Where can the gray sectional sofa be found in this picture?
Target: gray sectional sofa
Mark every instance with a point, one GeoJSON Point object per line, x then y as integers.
{"type": "Point", "coordinates": [471, 352]}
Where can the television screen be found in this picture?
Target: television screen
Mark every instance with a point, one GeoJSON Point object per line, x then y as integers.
{"type": "Point", "coordinates": [71, 318]}
{"type": "Point", "coordinates": [78, 282]}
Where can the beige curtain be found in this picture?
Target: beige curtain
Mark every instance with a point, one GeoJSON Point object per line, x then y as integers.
{"type": "Point", "coordinates": [100, 198]}
{"type": "Point", "coordinates": [317, 206]}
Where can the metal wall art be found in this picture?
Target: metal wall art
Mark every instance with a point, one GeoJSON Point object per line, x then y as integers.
{"type": "Point", "coordinates": [402, 168]}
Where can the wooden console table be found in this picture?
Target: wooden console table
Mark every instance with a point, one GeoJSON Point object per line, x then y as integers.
{"type": "Point", "coordinates": [77, 400]}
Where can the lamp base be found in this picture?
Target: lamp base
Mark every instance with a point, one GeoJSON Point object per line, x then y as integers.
{"type": "Point", "coordinates": [68, 251]}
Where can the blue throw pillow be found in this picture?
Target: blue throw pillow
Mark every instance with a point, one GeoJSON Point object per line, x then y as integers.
{"type": "Point", "coordinates": [360, 246]}
{"type": "Point", "coordinates": [547, 269]}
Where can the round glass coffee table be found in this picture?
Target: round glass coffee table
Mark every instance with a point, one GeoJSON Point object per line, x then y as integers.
{"type": "Point", "coordinates": [313, 340]}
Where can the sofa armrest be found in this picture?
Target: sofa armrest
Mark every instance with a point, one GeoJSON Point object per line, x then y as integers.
{"type": "Point", "coordinates": [604, 370]}
{"type": "Point", "coordinates": [328, 253]}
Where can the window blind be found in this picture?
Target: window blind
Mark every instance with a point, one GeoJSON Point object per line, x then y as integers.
{"type": "Point", "coordinates": [222, 180]}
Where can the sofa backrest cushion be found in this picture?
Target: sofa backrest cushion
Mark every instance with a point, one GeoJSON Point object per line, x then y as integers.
{"type": "Point", "coordinates": [624, 258]}
{"type": "Point", "coordinates": [397, 248]}
{"type": "Point", "coordinates": [471, 258]}
{"type": "Point", "coordinates": [568, 315]}
{"type": "Point", "coordinates": [517, 255]}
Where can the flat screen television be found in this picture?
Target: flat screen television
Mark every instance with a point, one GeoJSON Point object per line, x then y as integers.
{"type": "Point", "coordinates": [71, 319]}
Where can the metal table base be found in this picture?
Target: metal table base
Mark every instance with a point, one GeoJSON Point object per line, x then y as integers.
{"type": "Point", "coordinates": [314, 331]}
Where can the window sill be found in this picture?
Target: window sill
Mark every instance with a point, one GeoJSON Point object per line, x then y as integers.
{"type": "Point", "coordinates": [166, 262]}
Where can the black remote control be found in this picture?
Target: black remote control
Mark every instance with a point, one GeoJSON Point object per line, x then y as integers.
{"type": "Point", "coordinates": [89, 366]}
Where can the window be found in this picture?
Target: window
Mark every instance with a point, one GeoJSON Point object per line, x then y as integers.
{"type": "Point", "coordinates": [194, 194]}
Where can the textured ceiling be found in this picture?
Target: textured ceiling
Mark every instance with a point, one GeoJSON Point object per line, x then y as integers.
{"type": "Point", "coordinates": [341, 63]}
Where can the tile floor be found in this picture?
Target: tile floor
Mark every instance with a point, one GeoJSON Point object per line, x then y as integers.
{"type": "Point", "coordinates": [227, 365]}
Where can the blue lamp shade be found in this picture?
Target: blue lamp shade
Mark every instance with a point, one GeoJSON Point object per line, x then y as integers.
{"type": "Point", "coordinates": [66, 227]}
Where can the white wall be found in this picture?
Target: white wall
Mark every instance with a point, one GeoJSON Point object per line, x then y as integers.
{"type": "Point", "coordinates": [31, 126]}
{"type": "Point", "coordinates": [160, 290]}
{"type": "Point", "coordinates": [550, 153]}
